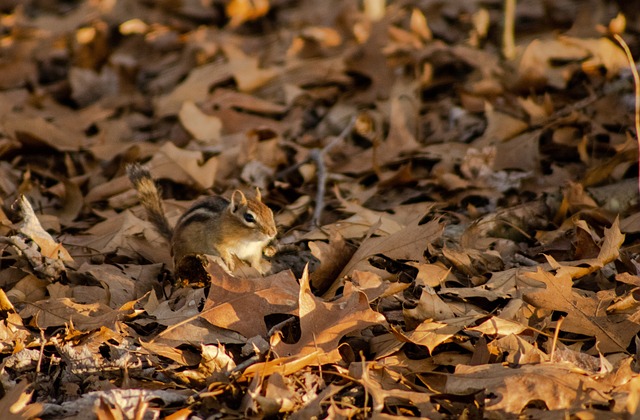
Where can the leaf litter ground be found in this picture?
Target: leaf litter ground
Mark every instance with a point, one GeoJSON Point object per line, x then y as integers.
{"type": "Point", "coordinates": [457, 221]}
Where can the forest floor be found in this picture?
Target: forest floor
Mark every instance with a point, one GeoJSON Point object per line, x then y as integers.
{"type": "Point", "coordinates": [458, 233]}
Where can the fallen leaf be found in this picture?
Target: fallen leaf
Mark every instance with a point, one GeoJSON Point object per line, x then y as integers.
{"type": "Point", "coordinates": [586, 314]}
{"type": "Point", "coordinates": [406, 244]}
{"type": "Point", "coordinates": [323, 323]}
{"type": "Point", "coordinates": [554, 384]}
{"type": "Point", "coordinates": [241, 304]}
{"type": "Point", "coordinates": [205, 128]}
{"type": "Point", "coordinates": [63, 311]}
{"type": "Point", "coordinates": [15, 404]}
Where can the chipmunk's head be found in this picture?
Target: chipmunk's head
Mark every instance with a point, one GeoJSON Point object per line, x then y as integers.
{"type": "Point", "coordinates": [253, 214]}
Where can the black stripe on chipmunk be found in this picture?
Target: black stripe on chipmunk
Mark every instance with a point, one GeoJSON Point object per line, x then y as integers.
{"type": "Point", "coordinates": [203, 209]}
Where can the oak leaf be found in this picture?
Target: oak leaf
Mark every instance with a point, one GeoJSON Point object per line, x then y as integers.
{"type": "Point", "coordinates": [586, 314]}
{"type": "Point", "coordinates": [241, 304]}
{"type": "Point", "coordinates": [323, 323]}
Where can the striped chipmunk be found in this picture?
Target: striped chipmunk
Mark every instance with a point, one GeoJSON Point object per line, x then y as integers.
{"type": "Point", "coordinates": [238, 228]}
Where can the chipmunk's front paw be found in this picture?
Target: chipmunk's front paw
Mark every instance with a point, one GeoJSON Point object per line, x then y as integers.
{"type": "Point", "coordinates": [269, 251]}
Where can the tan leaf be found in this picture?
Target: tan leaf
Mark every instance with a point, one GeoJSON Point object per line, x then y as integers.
{"type": "Point", "coordinates": [241, 304]}
{"type": "Point", "coordinates": [332, 256]}
{"type": "Point", "coordinates": [609, 251]}
{"type": "Point", "coordinates": [517, 350]}
{"type": "Point", "coordinates": [433, 333]}
{"type": "Point", "coordinates": [63, 311]}
{"type": "Point", "coordinates": [246, 70]}
{"type": "Point", "coordinates": [14, 404]}
{"type": "Point", "coordinates": [31, 228]}
{"type": "Point", "coordinates": [406, 244]}
{"type": "Point", "coordinates": [120, 288]}
{"type": "Point", "coordinates": [586, 314]}
{"type": "Point", "coordinates": [430, 306]}
{"type": "Point", "coordinates": [288, 365]}
{"type": "Point", "coordinates": [194, 88]}
{"type": "Point", "coordinates": [36, 131]}
{"type": "Point", "coordinates": [381, 393]}
{"type": "Point", "coordinates": [215, 366]}
{"type": "Point", "coordinates": [323, 324]}
{"type": "Point", "coordinates": [203, 127]}
{"type": "Point", "coordinates": [555, 384]}
{"type": "Point", "coordinates": [186, 166]}
{"type": "Point", "coordinates": [241, 11]}
{"type": "Point", "coordinates": [499, 326]}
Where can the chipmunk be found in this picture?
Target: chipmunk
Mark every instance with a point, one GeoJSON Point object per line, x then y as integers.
{"type": "Point", "coordinates": [240, 228]}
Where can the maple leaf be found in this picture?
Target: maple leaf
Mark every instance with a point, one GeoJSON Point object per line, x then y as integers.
{"type": "Point", "coordinates": [323, 323]}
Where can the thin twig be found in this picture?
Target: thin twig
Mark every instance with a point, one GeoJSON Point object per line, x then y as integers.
{"type": "Point", "coordinates": [636, 82]}
{"type": "Point", "coordinates": [41, 355]}
{"type": "Point", "coordinates": [279, 326]}
{"type": "Point", "coordinates": [318, 156]}
{"type": "Point", "coordinates": [508, 36]}
{"type": "Point", "coordinates": [555, 338]}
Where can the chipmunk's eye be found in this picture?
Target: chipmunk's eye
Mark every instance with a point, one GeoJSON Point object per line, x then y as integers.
{"type": "Point", "coordinates": [249, 218]}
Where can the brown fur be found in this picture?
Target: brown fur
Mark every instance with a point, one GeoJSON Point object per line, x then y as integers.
{"type": "Point", "coordinates": [150, 198]}
{"type": "Point", "coordinates": [213, 225]}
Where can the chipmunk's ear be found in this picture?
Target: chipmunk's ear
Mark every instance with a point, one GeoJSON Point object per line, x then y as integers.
{"type": "Point", "coordinates": [237, 199]}
{"type": "Point", "coordinates": [258, 194]}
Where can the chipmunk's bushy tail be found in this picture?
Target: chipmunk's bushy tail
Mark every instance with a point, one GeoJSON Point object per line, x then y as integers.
{"type": "Point", "coordinates": [150, 198]}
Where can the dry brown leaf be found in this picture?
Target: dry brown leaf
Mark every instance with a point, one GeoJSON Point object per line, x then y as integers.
{"type": "Point", "coordinates": [555, 384]}
{"type": "Point", "coordinates": [609, 251]}
{"type": "Point", "coordinates": [332, 256]}
{"type": "Point", "coordinates": [374, 287]}
{"type": "Point", "coordinates": [194, 88]}
{"type": "Point", "coordinates": [246, 69]}
{"type": "Point", "coordinates": [586, 314]}
{"type": "Point", "coordinates": [499, 326]}
{"type": "Point", "coordinates": [114, 235]}
{"type": "Point", "coordinates": [182, 306]}
{"type": "Point", "coordinates": [119, 287]}
{"type": "Point", "coordinates": [184, 166]}
{"type": "Point", "coordinates": [241, 304]}
{"type": "Point", "coordinates": [279, 393]}
{"type": "Point", "coordinates": [63, 311]}
{"type": "Point", "coordinates": [226, 98]}
{"type": "Point", "coordinates": [517, 350]}
{"type": "Point", "coordinates": [215, 366]}
{"type": "Point", "coordinates": [28, 289]}
{"type": "Point", "coordinates": [500, 127]}
{"type": "Point", "coordinates": [323, 323]}
{"type": "Point", "coordinates": [406, 244]}
{"type": "Point", "coordinates": [433, 333]}
{"type": "Point", "coordinates": [32, 229]}
{"type": "Point", "coordinates": [196, 331]}
{"type": "Point", "coordinates": [535, 67]}
{"type": "Point", "coordinates": [429, 307]}
{"type": "Point", "coordinates": [37, 132]}
{"type": "Point", "coordinates": [370, 60]}
{"type": "Point", "coordinates": [432, 275]}
{"type": "Point", "coordinates": [380, 393]}
{"type": "Point", "coordinates": [241, 11]}
{"type": "Point", "coordinates": [205, 128]}
{"type": "Point", "coordinates": [292, 364]}
{"type": "Point", "coordinates": [89, 86]}
{"type": "Point", "coordinates": [15, 404]}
